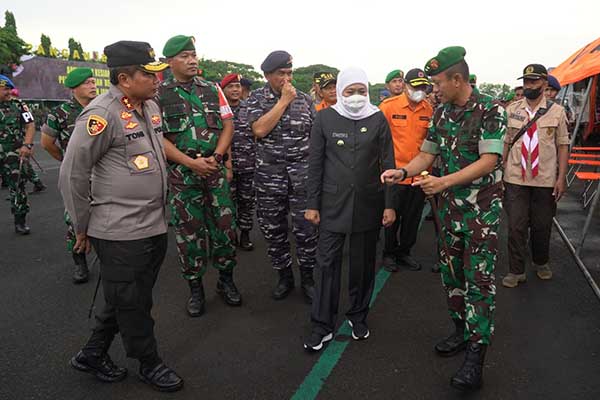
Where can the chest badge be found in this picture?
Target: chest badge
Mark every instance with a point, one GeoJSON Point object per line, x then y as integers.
{"type": "Point", "coordinates": [340, 142]}
{"type": "Point", "coordinates": [141, 162]}
{"type": "Point", "coordinates": [363, 129]}
{"type": "Point", "coordinates": [96, 125]}
{"type": "Point", "coordinates": [126, 115]}
{"type": "Point", "coordinates": [131, 125]}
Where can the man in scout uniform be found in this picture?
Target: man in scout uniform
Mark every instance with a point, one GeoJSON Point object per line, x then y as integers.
{"type": "Point", "coordinates": [243, 151]}
{"type": "Point", "coordinates": [327, 83]}
{"type": "Point", "coordinates": [467, 132]}
{"type": "Point", "coordinates": [198, 128]}
{"type": "Point", "coordinates": [535, 168]}
{"type": "Point", "coordinates": [17, 130]}
{"type": "Point", "coordinates": [281, 118]}
{"type": "Point", "coordinates": [115, 157]}
{"type": "Point", "coordinates": [56, 133]}
{"type": "Point", "coordinates": [408, 116]}
{"type": "Point", "coordinates": [394, 82]}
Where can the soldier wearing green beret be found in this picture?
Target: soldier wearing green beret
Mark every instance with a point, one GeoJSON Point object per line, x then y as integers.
{"type": "Point", "coordinates": [473, 82]}
{"type": "Point", "coordinates": [56, 133]}
{"type": "Point", "coordinates": [198, 129]}
{"type": "Point", "coordinates": [394, 82]}
{"type": "Point", "coordinates": [467, 133]}
{"type": "Point", "coordinates": [17, 130]}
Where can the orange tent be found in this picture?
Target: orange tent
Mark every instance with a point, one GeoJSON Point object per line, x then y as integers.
{"type": "Point", "coordinates": [582, 64]}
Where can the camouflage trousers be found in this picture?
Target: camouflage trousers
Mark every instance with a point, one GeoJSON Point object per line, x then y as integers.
{"type": "Point", "coordinates": [70, 237]}
{"type": "Point", "coordinates": [272, 214]}
{"type": "Point", "coordinates": [244, 197]}
{"type": "Point", "coordinates": [9, 169]}
{"type": "Point", "coordinates": [203, 217]}
{"type": "Point", "coordinates": [471, 296]}
{"type": "Point", "coordinates": [29, 172]}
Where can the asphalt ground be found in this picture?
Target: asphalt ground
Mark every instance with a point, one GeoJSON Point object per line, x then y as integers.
{"type": "Point", "coordinates": [547, 342]}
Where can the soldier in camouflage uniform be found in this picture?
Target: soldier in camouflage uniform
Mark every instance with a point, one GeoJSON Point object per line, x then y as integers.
{"type": "Point", "coordinates": [281, 118]}
{"type": "Point", "coordinates": [16, 144]}
{"type": "Point", "coordinates": [467, 132]}
{"type": "Point", "coordinates": [56, 133]}
{"type": "Point", "coordinates": [198, 128]}
{"type": "Point", "coordinates": [243, 151]}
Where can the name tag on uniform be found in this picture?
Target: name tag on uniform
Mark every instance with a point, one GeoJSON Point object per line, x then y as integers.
{"type": "Point", "coordinates": [424, 118]}
{"type": "Point", "coordinates": [398, 116]}
{"type": "Point", "coordinates": [337, 135]}
{"type": "Point", "coordinates": [517, 117]}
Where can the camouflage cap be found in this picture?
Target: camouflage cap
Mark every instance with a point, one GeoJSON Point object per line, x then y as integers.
{"type": "Point", "coordinates": [6, 82]}
{"type": "Point", "coordinates": [445, 59]}
{"type": "Point", "coordinates": [397, 73]}
{"type": "Point", "coordinates": [77, 76]}
{"type": "Point", "coordinates": [177, 44]}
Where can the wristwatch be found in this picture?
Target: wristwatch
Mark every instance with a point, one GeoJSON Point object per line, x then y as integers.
{"type": "Point", "coordinates": [28, 145]}
{"type": "Point", "coordinates": [404, 173]}
{"type": "Point", "coordinates": [220, 158]}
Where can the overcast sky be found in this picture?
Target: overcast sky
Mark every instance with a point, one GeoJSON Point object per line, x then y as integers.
{"type": "Point", "coordinates": [501, 37]}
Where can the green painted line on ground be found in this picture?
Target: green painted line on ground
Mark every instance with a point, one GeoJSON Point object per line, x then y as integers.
{"type": "Point", "coordinates": [314, 381]}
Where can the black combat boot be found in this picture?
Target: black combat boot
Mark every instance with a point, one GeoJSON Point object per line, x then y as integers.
{"type": "Point", "coordinates": [308, 284]}
{"type": "Point", "coordinates": [81, 272]}
{"type": "Point", "coordinates": [285, 284]}
{"type": "Point", "coordinates": [195, 305]}
{"type": "Point", "coordinates": [94, 359]}
{"type": "Point", "coordinates": [227, 289]}
{"type": "Point", "coordinates": [245, 243]}
{"type": "Point", "coordinates": [21, 227]}
{"type": "Point", "coordinates": [469, 376]}
{"type": "Point", "coordinates": [453, 343]}
{"type": "Point", "coordinates": [38, 187]}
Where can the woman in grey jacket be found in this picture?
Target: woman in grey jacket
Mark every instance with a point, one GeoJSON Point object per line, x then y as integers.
{"type": "Point", "coordinates": [350, 146]}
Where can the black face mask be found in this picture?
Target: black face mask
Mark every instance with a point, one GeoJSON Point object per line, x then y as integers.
{"type": "Point", "coordinates": [532, 94]}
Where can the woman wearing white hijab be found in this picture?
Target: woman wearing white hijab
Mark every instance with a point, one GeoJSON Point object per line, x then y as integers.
{"type": "Point", "coordinates": [350, 145]}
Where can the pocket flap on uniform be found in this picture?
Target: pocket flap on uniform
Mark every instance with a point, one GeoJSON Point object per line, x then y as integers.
{"type": "Point", "coordinates": [547, 122]}
{"type": "Point", "coordinates": [330, 188]}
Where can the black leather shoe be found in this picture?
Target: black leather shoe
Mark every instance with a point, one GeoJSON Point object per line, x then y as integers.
{"type": "Point", "coordinates": [195, 305]}
{"type": "Point", "coordinates": [38, 187]}
{"type": "Point", "coordinates": [285, 284]}
{"type": "Point", "coordinates": [21, 227]}
{"type": "Point", "coordinates": [470, 374]}
{"type": "Point", "coordinates": [161, 378]}
{"type": "Point", "coordinates": [227, 289]}
{"type": "Point", "coordinates": [102, 367]}
{"type": "Point", "coordinates": [308, 285]}
{"type": "Point", "coordinates": [390, 264]}
{"type": "Point", "coordinates": [244, 242]}
{"type": "Point", "coordinates": [81, 272]}
{"type": "Point", "coordinates": [408, 261]}
{"type": "Point", "coordinates": [453, 343]}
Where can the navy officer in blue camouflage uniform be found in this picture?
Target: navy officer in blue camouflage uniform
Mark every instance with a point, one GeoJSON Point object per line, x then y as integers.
{"type": "Point", "coordinates": [281, 118]}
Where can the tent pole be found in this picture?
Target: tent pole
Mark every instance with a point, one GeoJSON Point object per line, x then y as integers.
{"type": "Point", "coordinates": [580, 116]}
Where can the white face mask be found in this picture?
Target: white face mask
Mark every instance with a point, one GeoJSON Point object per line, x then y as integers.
{"type": "Point", "coordinates": [416, 95]}
{"type": "Point", "coordinates": [355, 103]}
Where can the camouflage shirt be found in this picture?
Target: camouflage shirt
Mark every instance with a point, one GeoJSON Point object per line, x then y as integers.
{"type": "Point", "coordinates": [61, 122]}
{"type": "Point", "coordinates": [193, 114]}
{"type": "Point", "coordinates": [460, 135]}
{"type": "Point", "coordinates": [243, 146]}
{"type": "Point", "coordinates": [14, 115]}
{"type": "Point", "coordinates": [284, 151]}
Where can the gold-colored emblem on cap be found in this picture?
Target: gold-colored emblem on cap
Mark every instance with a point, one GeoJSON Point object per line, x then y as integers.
{"type": "Point", "coordinates": [151, 53]}
{"type": "Point", "coordinates": [340, 142]}
{"type": "Point", "coordinates": [529, 69]}
{"type": "Point", "coordinates": [141, 162]}
{"type": "Point", "coordinates": [434, 64]}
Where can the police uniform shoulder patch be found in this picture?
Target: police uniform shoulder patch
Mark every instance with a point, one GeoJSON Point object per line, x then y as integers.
{"type": "Point", "coordinates": [96, 125]}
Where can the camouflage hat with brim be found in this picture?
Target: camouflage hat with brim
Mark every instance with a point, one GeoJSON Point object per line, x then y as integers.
{"type": "Point", "coordinates": [397, 73]}
{"type": "Point", "coordinates": [6, 82]}
{"type": "Point", "coordinates": [445, 59]}
{"type": "Point", "coordinates": [77, 76]}
{"type": "Point", "coordinates": [129, 53]}
{"type": "Point", "coordinates": [534, 71]}
{"type": "Point", "coordinates": [177, 44]}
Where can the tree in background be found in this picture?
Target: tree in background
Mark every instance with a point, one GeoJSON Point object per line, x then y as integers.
{"type": "Point", "coordinates": [12, 47]}
{"type": "Point", "coordinates": [496, 90]}
{"type": "Point", "coordinates": [75, 50]}
{"type": "Point", "coordinates": [215, 70]}
{"type": "Point", "coordinates": [303, 76]}
{"type": "Point", "coordinates": [374, 92]}
{"type": "Point", "coordinates": [46, 46]}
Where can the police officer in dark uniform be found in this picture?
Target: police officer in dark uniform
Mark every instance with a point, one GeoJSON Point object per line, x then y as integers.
{"type": "Point", "coordinates": [281, 119]}
{"type": "Point", "coordinates": [117, 143]}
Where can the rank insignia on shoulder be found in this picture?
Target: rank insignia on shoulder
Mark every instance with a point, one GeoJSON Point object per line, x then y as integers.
{"type": "Point", "coordinates": [96, 125]}
{"type": "Point", "coordinates": [141, 162]}
{"type": "Point", "coordinates": [131, 125]}
{"type": "Point", "coordinates": [155, 119]}
{"type": "Point", "coordinates": [126, 115]}
{"type": "Point", "coordinates": [125, 101]}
